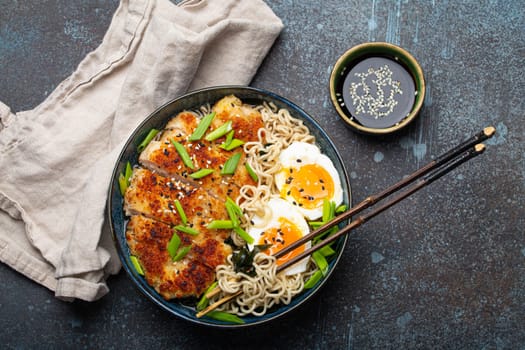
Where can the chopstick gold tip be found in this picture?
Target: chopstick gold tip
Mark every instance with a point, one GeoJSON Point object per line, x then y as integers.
{"type": "Point", "coordinates": [480, 147]}
{"type": "Point", "coordinates": [489, 131]}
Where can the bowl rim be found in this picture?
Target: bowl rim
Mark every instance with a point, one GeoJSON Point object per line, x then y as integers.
{"type": "Point", "coordinates": [113, 189]}
{"type": "Point", "coordinates": [354, 54]}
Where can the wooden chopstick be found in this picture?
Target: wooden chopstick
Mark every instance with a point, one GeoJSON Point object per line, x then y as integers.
{"type": "Point", "coordinates": [369, 201]}
{"type": "Point", "coordinates": [425, 175]}
{"type": "Point", "coordinates": [423, 181]}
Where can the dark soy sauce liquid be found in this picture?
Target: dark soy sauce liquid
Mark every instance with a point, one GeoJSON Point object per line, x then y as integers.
{"type": "Point", "coordinates": [378, 92]}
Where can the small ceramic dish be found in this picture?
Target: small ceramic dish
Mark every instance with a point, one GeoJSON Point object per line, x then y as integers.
{"type": "Point", "coordinates": [158, 119]}
{"type": "Point", "coordinates": [377, 88]}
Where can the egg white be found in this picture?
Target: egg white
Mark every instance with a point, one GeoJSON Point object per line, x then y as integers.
{"type": "Point", "coordinates": [275, 209]}
{"type": "Point", "coordinates": [299, 154]}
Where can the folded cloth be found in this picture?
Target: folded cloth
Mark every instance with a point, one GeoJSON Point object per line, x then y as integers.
{"type": "Point", "coordinates": [56, 160]}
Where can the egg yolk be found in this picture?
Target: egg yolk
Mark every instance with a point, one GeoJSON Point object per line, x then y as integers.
{"type": "Point", "coordinates": [308, 185]}
{"type": "Point", "coordinates": [280, 237]}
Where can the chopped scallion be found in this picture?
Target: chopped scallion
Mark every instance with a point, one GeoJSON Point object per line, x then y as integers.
{"type": "Point", "coordinates": [320, 261]}
{"type": "Point", "coordinates": [220, 225]}
{"type": "Point", "coordinates": [340, 209]}
{"type": "Point", "coordinates": [231, 164]}
{"type": "Point", "coordinates": [186, 159]}
{"type": "Point", "coordinates": [225, 317]}
{"type": "Point", "coordinates": [220, 131]}
{"type": "Point", "coordinates": [181, 253]}
{"type": "Point", "coordinates": [251, 172]}
{"type": "Point", "coordinates": [136, 264]}
{"type": "Point", "coordinates": [199, 174]}
{"type": "Point", "coordinates": [243, 234]}
{"type": "Point", "coordinates": [151, 134]}
{"type": "Point", "coordinates": [312, 281]}
{"type": "Point", "coordinates": [232, 145]}
{"type": "Point", "coordinates": [122, 184]}
{"type": "Point", "coordinates": [123, 179]}
{"type": "Point", "coordinates": [181, 212]}
{"type": "Point", "coordinates": [173, 245]}
{"type": "Point", "coordinates": [186, 229]}
{"type": "Point", "coordinates": [327, 250]}
{"type": "Point", "coordinates": [203, 302]}
{"type": "Point", "coordinates": [204, 124]}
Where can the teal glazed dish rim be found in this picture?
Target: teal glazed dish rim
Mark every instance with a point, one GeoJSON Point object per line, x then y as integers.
{"type": "Point", "coordinates": [357, 54]}
{"type": "Point", "coordinates": [117, 219]}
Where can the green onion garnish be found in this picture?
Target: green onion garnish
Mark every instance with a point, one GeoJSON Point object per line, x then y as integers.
{"type": "Point", "coordinates": [181, 253]}
{"type": "Point", "coordinates": [173, 245]}
{"type": "Point", "coordinates": [340, 209]}
{"type": "Point", "coordinates": [203, 302]}
{"type": "Point", "coordinates": [199, 174]}
{"type": "Point", "coordinates": [136, 264]}
{"type": "Point", "coordinates": [151, 134]}
{"type": "Point", "coordinates": [220, 131]}
{"type": "Point", "coordinates": [220, 225]}
{"type": "Point", "coordinates": [224, 316]}
{"type": "Point", "coordinates": [183, 154]}
{"type": "Point", "coordinates": [327, 250]}
{"type": "Point", "coordinates": [123, 179]}
{"type": "Point", "coordinates": [204, 124]}
{"type": "Point", "coordinates": [312, 281]}
{"type": "Point", "coordinates": [251, 172]}
{"type": "Point", "coordinates": [232, 145]}
{"type": "Point", "coordinates": [181, 212]}
{"type": "Point", "coordinates": [243, 234]}
{"type": "Point", "coordinates": [186, 229]}
{"type": "Point", "coordinates": [320, 261]}
{"type": "Point", "coordinates": [231, 164]}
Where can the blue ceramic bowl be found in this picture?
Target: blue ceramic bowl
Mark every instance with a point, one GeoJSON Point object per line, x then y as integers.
{"type": "Point", "coordinates": [157, 120]}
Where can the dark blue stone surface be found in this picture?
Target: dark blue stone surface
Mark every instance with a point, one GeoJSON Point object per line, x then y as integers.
{"type": "Point", "coordinates": [444, 269]}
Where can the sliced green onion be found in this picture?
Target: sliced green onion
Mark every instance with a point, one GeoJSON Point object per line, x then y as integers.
{"type": "Point", "coordinates": [181, 212]}
{"type": "Point", "coordinates": [243, 234]}
{"type": "Point", "coordinates": [129, 171]}
{"type": "Point", "coordinates": [186, 159]}
{"type": "Point", "coordinates": [326, 210]}
{"type": "Point", "coordinates": [231, 164]}
{"type": "Point", "coordinates": [312, 281]}
{"type": "Point", "coordinates": [327, 250]}
{"type": "Point", "coordinates": [122, 184]}
{"type": "Point", "coordinates": [224, 316]}
{"type": "Point", "coordinates": [220, 131]}
{"type": "Point", "coordinates": [136, 264]}
{"type": "Point", "coordinates": [173, 245]}
{"type": "Point", "coordinates": [320, 261]}
{"type": "Point", "coordinates": [220, 225]}
{"type": "Point", "coordinates": [229, 138]}
{"type": "Point", "coordinates": [186, 229]}
{"type": "Point", "coordinates": [232, 145]}
{"type": "Point", "coordinates": [251, 172]}
{"type": "Point", "coordinates": [199, 174]}
{"type": "Point", "coordinates": [181, 253]}
{"type": "Point", "coordinates": [232, 213]}
{"type": "Point", "coordinates": [203, 302]}
{"type": "Point", "coordinates": [340, 209]}
{"type": "Point", "coordinates": [204, 124]}
{"type": "Point", "coordinates": [123, 179]}
{"type": "Point", "coordinates": [315, 224]}
{"type": "Point", "coordinates": [234, 205]}
{"type": "Point", "coordinates": [151, 134]}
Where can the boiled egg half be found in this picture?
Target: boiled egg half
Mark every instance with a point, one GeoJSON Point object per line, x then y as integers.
{"type": "Point", "coordinates": [307, 177]}
{"type": "Point", "coordinates": [281, 225]}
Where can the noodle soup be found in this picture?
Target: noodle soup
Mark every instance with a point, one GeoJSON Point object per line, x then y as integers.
{"type": "Point", "coordinates": [237, 213]}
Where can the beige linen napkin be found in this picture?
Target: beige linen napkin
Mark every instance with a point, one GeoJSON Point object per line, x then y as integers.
{"type": "Point", "coordinates": [56, 160]}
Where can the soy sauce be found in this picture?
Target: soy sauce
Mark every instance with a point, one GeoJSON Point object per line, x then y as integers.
{"type": "Point", "coordinates": [378, 92]}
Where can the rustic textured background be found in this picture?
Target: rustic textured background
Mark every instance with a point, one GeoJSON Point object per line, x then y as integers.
{"type": "Point", "coordinates": [444, 269]}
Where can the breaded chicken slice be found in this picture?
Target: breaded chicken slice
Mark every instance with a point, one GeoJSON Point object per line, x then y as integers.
{"type": "Point", "coordinates": [155, 196]}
